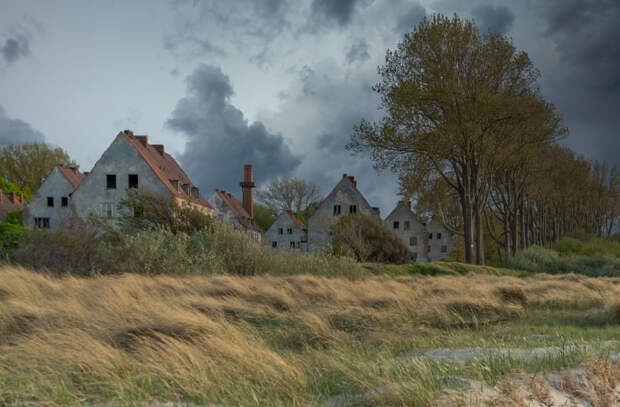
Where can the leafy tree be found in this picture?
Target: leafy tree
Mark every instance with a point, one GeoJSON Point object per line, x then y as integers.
{"type": "Point", "coordinates": [288, 193]}
{"type": "Point", "coordinates": [27, 164]}
{"type": "Point", "coordinates": [453, 101]}
{"type": "Point", "coordinates": [7, 187]}
{"type": "Point", "coordinates": [264, 217]}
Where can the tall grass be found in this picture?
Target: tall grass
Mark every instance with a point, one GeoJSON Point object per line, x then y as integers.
{"type": "Point", "coordinates": [250, 340]}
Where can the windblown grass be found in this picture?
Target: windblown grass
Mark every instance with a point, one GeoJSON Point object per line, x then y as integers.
{"type": "Point", "coordinates": [270, 340]}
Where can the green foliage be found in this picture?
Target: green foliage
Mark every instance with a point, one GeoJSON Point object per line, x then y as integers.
{"type": "Point", "coordinates": [27, 164]}
{"type": "Point", "coordinates": [570, 247]}
{"type": "Point", "coordinates": [264, 217]}
{"type": "Point", "coordinates": [440, 268]}
{"type": "Point", "coordinates": [10, 236]}
{"type": "Point", "coordinates": [14, 217]}
{"type": "Point", "coordinates": [540, 260]}
{"type": "Point", "coordinates": [8, 187]}
{"type": "Point", "coordinates": [367, 239]}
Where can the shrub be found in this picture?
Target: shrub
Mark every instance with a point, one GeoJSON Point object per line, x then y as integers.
{"type": "Point", "coordinates": [10, 236]}
{"type": "Point", "coordinates": [537, 259]}
{"type": "Point", "coordinates": [368, 240]}
{"type": "Point", "coordinates": [540, 260]}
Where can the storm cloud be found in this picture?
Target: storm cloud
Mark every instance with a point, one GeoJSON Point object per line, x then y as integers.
{"type": "Point", "coordinates": [220, 140]}
{"type": "Point", "coordinates": [14, 48]}
{"type": "Point", "coordinates": [17, 131]}
{"type": "Point", "coordinates": [496, 19]}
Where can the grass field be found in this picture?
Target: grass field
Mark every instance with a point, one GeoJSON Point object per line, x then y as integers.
{"type": "Point", "coordinates": [292, 340]}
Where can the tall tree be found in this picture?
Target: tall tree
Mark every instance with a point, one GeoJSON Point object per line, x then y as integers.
{"type": "Point", "coordinates": [449, 96]}
{"type": "Point", "coordinates": [27, 164]}
{"type": "Point", "coordinates": [288, 193]}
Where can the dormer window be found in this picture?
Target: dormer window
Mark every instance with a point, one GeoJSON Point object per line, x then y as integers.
{"type": "Point", "coordinates": [175, 184]}
{"type": "Point", "coordinates": [186, 188]}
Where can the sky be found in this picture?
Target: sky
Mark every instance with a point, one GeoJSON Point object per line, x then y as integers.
{"type": "Point", "coordinates": [274, 83]}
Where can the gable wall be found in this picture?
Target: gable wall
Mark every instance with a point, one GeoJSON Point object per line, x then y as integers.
{"type": "Point", "coordinates": [284, 240]}
{"type": "Point", "coordinates": [56, 186]}
{"type": "Point", "coordinates": [416, 229]}
{"type": "Point", "coordinates": [435, 244]}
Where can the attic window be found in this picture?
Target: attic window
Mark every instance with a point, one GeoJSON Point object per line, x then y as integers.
{"type": "Point", "coordinates": [396, 224]}
{"type": "Point", "coordinates": [110, 181]}
{"type": "Point", "coordinates": [133, 181]}
{"type": "Point", "coordinates": [64, 201]}
{"type": "Point", "coordinates": [352, 208]}
{"type": "Point", "coordinates": [50, 201]}
{"type": "Point", "coordinates": [337, 209]}
{"type": "Point", "coordinates": [438, 235]}
{"type": "Point", "coordinates": [289, 231]}
{"type": "Point", "coordinates": [280, 231]}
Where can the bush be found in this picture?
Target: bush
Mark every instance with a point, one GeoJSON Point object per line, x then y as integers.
{"type": "Point", "coordinates": [571, 247]}
{"type": "Point", "coordinates": [10, 236]}
{"type": "Point", "coordinates": [367, 239]}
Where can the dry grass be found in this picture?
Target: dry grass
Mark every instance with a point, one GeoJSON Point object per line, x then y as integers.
{"type": "Point", "coordinates": [236, 340]}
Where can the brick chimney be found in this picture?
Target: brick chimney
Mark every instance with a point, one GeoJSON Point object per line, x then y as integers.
{"type": "Point", "coordinates": [144, 140]}
{"type": "Point", "coordinates": [159, 148]}
{"type": "Point", "coordinates": [407, 203]}
{"type": "Point", "coordinates": [351, 178]}
{"type": "Point", "coordinates": [246, 186]}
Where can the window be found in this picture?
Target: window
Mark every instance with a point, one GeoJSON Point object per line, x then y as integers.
{"type": "Point", "coordinates": [438, 235]}
{"type": "Point", "coordinates": [289, 231]}
{"type": "Point", "coordinates": [444, 249]}
{"type": "Point", "coordinates": [274, 244]}
{"type": "Point", "coordinates": [105, 209]}
{"type": "Point", "coordinates": [406, 225]}
{"type": "Point", "coordinates": [352, 208]}
{"type": "Point", "coordinates": [50, 201]}
{"type": "Point", "coordinates": [337, 210]}
{"type": "Point", "coordinates": [430, 236]}
{"type": "Point", "coordinates": [396, 224]}
{"type": "Point", "coordinates": [64, 201]}
{"type": "Point", "coordinates": [133, 180]}
{"type": "Point", "coordinates": [413, 241]}
{"type": "Point", "coordinates": [110, 181]}
{"type": "Point", "coordinates": [280, 231]}
{"type": "Point", "coordinates": [42, 223]}
{"type": "Point", "coordinates": [292, 245]}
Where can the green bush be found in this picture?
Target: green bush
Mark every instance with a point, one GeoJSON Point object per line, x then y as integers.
{"type": "Point", "coordinates": [571, 247]}
{"type": "Point", "coordinates": [10, 236]}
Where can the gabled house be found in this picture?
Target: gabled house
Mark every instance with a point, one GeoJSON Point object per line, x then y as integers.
{"type": "Point", "coordinates": [10, 202]}
{"type": "Point", "coordinates": [130, 162]}
{"type": "Point", "coordinates": [49, 207]}
{"type": "Point", "coordinates": [288, 232]}
{"type": "Point", "coordinates": [239, 214]}
{"type": "Point", "coordinates": [406, 225]}
{"type": "Point", "coordinates": [440, 241]}
{"type": "Point", "coordinates": [344, 199]}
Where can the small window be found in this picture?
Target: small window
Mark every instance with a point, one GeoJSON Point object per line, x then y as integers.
{"type": "Point", "coordinates": [352, 208]}
{"type": "Point", "coordinates": [289, 231]}
{"type": "Point", "coordinates": [280, 231]}
{"type": "Point", "coordinates": [444, 249]}
{"type": "Point", "coordinates": [274, 244]}
{"type": "Point", "coordinates": [396, 224]}
{"type": "Point", "coordinates": [42, 223]}
{"type": "Point", "coordinates": [64, 201]}
{"type": "Point", "coordinates": [105, 209]}
{"type": "Point", "coordinates": [133, 181]}
{"type": "Point", "coordinates": [337, 209]}
{"type": "Point", "coordinates": [413, 241]}
{"type": "Point", "coordinates": [430, 236]}
{"type": "Point", "coordinates": [50, 201]}
{"type": "Point", "coordinates": [110, 181]}
{"type": "Point", "coordinates": [438, 235]}
{"type": "Point", "coordinates": [406, 225]}
{"type": "Point", "coordinates": [292, 245]}
{"type": "Point", "coordinates": [297, 245]}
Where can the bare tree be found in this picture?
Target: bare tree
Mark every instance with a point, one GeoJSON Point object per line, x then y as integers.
{"type": "Point", "coordinates": [288, 193]}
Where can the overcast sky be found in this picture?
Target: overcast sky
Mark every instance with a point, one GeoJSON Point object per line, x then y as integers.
{"type": "Point", "coordinates": [275, 83]}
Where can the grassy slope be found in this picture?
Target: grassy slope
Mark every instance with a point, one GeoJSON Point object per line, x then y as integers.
{"type": "Point", "coordinates": [282, 340]}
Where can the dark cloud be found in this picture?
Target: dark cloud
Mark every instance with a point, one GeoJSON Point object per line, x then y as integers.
{"type": "Point", "coordinates": [497, 19]}
{"type": "Point", "coordinates": [330, 11]}
{"type": "Point", "coordinates": [191, 45]}
{"type": "Point", "coordinates": [220, 140]}
{"type": "Point", "coordinates": [15, 48]}
{"type": "Point", "coordinates": [585, 83]}
{"type": "Point", "coordinates": [17, 131]}
{"type": "Point", "coordinates": [358, 52]}
{"type": "Point", "coordinates": [414, 14]}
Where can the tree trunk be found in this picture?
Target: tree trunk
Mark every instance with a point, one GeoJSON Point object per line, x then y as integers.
{"type": "Point", "coordinates": [468, 229]}
{"type": "Point", "coordinates": [479, 237]}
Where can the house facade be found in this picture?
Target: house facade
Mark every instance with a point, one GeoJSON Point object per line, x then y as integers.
{"type": "Point", "coordinates": [440, 241]}
{"type": "Point", "coordinates": [344, 199]}
{"type": "Point", "coordinates": [239, 214]}
{"type": "Point", "coordinates": [130, 162]}
{"type": "Point", "coordinates": [50, 207]}
{"type": "Point", "coordinates": [406, 225]}
{"type": "Point", "coordinates": [288, 232]}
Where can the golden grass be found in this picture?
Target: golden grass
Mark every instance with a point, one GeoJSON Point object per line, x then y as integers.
{"type": "Point", "coordinates": [232, 339]}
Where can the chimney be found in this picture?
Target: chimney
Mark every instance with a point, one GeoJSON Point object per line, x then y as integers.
{"type": "Point", "coordinates": [407, 203]}
{"type": "Point", "coordinates": [377, 211]}
{"type": "Point", "coordinates": [159, 148]}
{"type": "Point", "coordinates": [353, 181]}
{"type": "Point", "coordinates": [246, 186]}
{"type": "Point", "coordinates": [144, 140]}
{"type": "Point", "coordinates": [74, 169]}
{"type": "Point", "coordinates": [128, 132]}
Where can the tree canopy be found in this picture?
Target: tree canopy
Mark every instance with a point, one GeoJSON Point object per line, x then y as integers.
{"type": "Point", "coordinates": [288, 193]}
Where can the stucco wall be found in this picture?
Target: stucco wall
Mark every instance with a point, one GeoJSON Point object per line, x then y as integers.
{"type": "Point", "coordinates": [56, 186]}
{"type": "Point", "coordinates": [403, 214]}
{"type": "Point", "coordinates": [284, 240]}
{"type": "Point", "coordinates": [435, 244]}
{"type": "Point", "coordinates": [121, 159]}
{"type": "Point", "coordinates": [344, 194]}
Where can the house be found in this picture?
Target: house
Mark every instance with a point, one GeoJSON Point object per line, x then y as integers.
{"type": "Point", "coordinates": [10, 202]}
{"type": "Point", "coordinates": [130, 162]}
{"type": "Point", "coordinates": [344, 199]}
{"type": "Point", "coordinates": [406, 225]}
{"type": "Point", "coordinates": [49, 207]}
{"type": "Point", "coordinates": [288, 232]}
{"type": "Point", "coordinates": [238, 214]}
{"type": "Point", "coordinates": [440, 241]}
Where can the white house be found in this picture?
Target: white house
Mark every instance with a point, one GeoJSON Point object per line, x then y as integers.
{"type": "Point", "coordinates": [406, 225]}
{"type": "Point", "coordinates": [288, 232]}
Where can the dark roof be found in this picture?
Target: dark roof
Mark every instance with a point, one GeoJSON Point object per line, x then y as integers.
{"type": "Point", "coordinates": [166, 168]}
{"type": "Point", "coordinates": [236, 207]}
{"type": "Point", "coordinates": [296, 220]}
{"type": "Point", "coordinates": [73, 175]}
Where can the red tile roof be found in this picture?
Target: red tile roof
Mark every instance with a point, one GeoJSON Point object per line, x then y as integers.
{"type": "Point", "coordinates": [72, 175]}
{"type": "Point", "coordinates": [236, 207]}
{"type": "Point", "coordinates": [166, 168]}
{"type": "Point", "coordinates": [296, 220]}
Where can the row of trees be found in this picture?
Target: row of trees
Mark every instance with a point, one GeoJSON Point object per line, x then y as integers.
{"type": "Point", "coordinates": [471, 137]}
